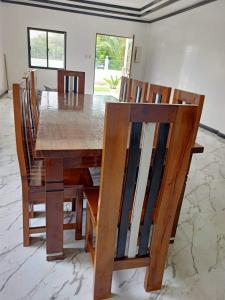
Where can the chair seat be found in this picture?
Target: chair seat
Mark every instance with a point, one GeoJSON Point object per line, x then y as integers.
{"type": "Point", "coordinates": [71, 176]}
{"type": "Point", "coordinates": [92, 200]}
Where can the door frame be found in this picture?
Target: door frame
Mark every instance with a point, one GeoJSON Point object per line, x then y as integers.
{"type": "Point", "coordinates": [119, 36]}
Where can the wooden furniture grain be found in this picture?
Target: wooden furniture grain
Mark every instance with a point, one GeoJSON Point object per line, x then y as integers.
{"type": "Point", "coordinates": [71, 130]}
{"type": "Point", "coordinates": [71, 81]}
{"type": "Point", "coordinates": [69, 136]}
{"type": "Point", "coordinates": [34, 99]}
{"type": "Point", "coordinates": [185, 97]}
{"type": "Point", "coordinates": [114, 215]}
{"type": "Point", "coordinates": [34, 188]}
{"type": "Point", "coordinates": [158, 94]}
{"type": "Point", "coordinates": [138, 91]}
{"type": "Point", "coordinates": [125, 89]}
{"type": "Point", "coordinates": [31, 79]}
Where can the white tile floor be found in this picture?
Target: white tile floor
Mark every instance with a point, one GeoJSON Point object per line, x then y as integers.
{"type": "Point", "coordinates": [196, 262]}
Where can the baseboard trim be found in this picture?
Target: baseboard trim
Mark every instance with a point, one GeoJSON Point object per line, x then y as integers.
{"type": "Point", "coordinates": [221, 135]}
{"type": "Point", "coordinates": [212, 130]}
{"type": "Point", "coordinates": [1, 95]}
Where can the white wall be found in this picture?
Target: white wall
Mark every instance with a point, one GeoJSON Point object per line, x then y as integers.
{"type": "Point", "coordinates": [2, 68]}
{"type": "Point", "coordinates": [187, 51]}
{"type": "Point", "coordinates": [81, 33]}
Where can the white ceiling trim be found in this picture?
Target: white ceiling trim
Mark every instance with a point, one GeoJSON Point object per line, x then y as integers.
{"type": "Point", "coordinates": [154, 11]}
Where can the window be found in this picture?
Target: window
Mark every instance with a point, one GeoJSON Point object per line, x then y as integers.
{"type": "Point", "coordinates": [46, 49]}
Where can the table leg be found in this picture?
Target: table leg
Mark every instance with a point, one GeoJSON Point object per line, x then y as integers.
{"type": "Point", "coordinates": [79, 214]}
{"type": "Point", "coordinates": [54, 208]}
{"type": "Point", "coordinates": [176, 220]}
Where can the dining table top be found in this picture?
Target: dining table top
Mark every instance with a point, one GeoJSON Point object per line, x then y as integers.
{"type": "Point", "coordinates": [72, 124]}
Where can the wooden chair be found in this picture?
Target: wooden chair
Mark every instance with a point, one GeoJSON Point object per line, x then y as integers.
{"type": "Point", "coordinates": [139, 91]}
{"type": "Point", "coordinates": [184, 97]}
{"type": "Point", "coordinates": [33, 171]}
{"type": "Point", "coordinates": [115, 212]}
{"type": "Point", "coordinates": [30, 79]}
{"type": "Point", "coordinates": [159, 94]}
{"type": "Point", "coordinates": [71, 81]}
{"type": "Point", "coordinates": [35, 101]}
{"type": "Point", "coordinates": [125, 89]}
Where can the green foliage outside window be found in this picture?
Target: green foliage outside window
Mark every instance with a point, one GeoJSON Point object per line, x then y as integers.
{"type": "Point", "coordinates": [39, 46]}
{"type": "Point", "coordinates": [113, 82]}
{"type": "Point", "coordinates": [114, 48]}
{"type": "Point", "coordinates": [55, 46]}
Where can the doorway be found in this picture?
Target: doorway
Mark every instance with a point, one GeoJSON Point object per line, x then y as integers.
{"type": "Point", "coordinates": [113, 58]}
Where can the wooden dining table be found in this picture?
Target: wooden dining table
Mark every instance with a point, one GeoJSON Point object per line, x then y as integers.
{"type": "Point", "coordinates": [70, 135]}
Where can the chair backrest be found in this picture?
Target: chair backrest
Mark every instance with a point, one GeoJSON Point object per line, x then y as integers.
{"type": "Point", "coordinates": [22, 121]}
{"type": "Point", "coordinates": [125, 89]}
{"type": "Point", "coordinates": [130, 176]}
{"type": "Point", "coordinates": [184, 97]}
{"type": "Point", "coordinates": [27, 83]}
{"type": "Point", "coordinates": [31, 79]}
{"type": "Point", "coordinates": [71, 81]}
{"type": "Point", "coordinates": [34, 100]}
{"type": "Point", "coordinates": [159, 94]}
{"type": "Point", "coordinates": [139, 91]}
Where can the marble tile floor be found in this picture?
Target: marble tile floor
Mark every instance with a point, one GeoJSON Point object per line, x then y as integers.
{"type": "Point", "coordinates": [196, 262]}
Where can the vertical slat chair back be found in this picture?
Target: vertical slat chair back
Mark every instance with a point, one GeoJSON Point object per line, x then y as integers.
{"type": "Point", "coordinates": [30, 124]}
{"type": "Point", "coordinates": [71, 81]}
{"type": "Point", "coordinates": [34, 100]}
{"type": "Point", "coordinates": [184, 97]}
{"type": "Point", "coordinates": [139, 91]}
{"type": "Point", "coordinates": [125, 89]}
{"type": "Point", "coordinates": [129, 177]}
{"type": "Point", "coordinates": [21, 118]}
{"type": "Point", "coordinates": [159, 94]}
{"type": "Point", "coordinates": [30, 119]}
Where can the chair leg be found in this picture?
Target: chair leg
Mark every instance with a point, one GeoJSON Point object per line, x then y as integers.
{"type": "Point", "coordinates": [31, 210]}
{"type": "Point", "coordinates": [74, 205]}
{"type": "Point", "coordinates": [102, 274]}
{"type": "Point", "coordinates": [152, 284]}
{"type": "Point", "coordinates": [155, 270]}
{"type": "Point", "coordinates": [102, 277]}
{"type": "Point", "coordinates": [87, 228]}
{"type": "Point", "coordinates": [103, 265]}
{"type": "Point", "coordinates": [176, 220]}
{"type": "Point", "coordinates": [26, 213]}
{"type": "Point", "coordinates": [79, 214]}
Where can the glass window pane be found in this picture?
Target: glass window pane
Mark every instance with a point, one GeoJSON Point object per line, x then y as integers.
{"type": "Point", "coordinates": [56, 50]}
{"type": "Point", "coordinates": [38, 43]}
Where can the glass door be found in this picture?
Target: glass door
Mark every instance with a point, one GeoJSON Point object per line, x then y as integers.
{"type": "Point", "coordinates": [113, 58]}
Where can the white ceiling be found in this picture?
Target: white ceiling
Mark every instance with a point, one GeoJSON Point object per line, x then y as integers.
{"type": "Point", "coordinates": [129, 3]}
{"type": "Point", "coordinates": [135, 10]}
{"type": "Point", "coordinates": [171, 8]}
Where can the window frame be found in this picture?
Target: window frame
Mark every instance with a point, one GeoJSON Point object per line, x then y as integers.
{"type": "Point", "coordinates": [29, 47]}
